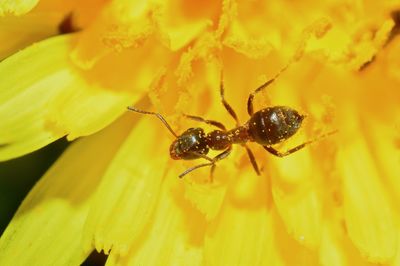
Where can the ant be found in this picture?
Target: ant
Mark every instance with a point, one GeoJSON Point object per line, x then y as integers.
{"type": "Point", "coordinates": [266, 127]}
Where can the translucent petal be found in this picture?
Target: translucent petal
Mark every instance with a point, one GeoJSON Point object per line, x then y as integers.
{"type": "Point", "coordinates": [206, 198]}
{"type": "Point", "coordinates": [396, 260]}
{"type": "Point", "coordinates": [180, 22]}
{"type": "Point", "coordinates": [289, 250]}
{"type": "Point", "coordinates": [296, 196]}
{"type": "Point", "coordinates": [249, 231]}
{"type": "Point", "coordinates": [48, 226]}
{"type": "Point", "coordinates": [242, 237]}
{"type": "Point", "coordinates": [129, 191]}
{"type": "Point", "coordinates": [368, 214]}
{"type": "Point", "coordinates": [83, 12]}
{"type": "Point", "coordinates": [25, 94]}
{"type": "Point", "coordinates": [336, 248]}
{"type": "Point", "coordinates": [16, 7]}
{"type": "Point", "coordinates": [173, 236]}
{"type": "Point", "coordinates": [121, 24]}
{"type": "Point", "coordinates": [331, 252]}
{"type": "Point", "coordinates": [382, 139]}
{"type": "Point", "coordinates": [30, 28]}
{"type": "Point", "coordinates": [243, 232]}
{"type": "Point", "coordinates": [52, 101]}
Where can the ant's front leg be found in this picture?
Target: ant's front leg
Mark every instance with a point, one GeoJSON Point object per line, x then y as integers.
{"type": "Point", "coordinates": [212, 163]}
{"type": "Point", "coordinates": [217, 158]}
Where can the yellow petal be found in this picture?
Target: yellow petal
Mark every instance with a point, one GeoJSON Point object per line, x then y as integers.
{"type": "Point", "coordinates": [121, 24]}
{"type": "Point", "coordinates": [396, 260]}
{"type": "Point", "coordinates": [296, 196]}
{"type": "Point", "coordinates": [336, 248]}
{"type": "Point", "coordinates": [173, 236]}
{"type": "Point", "coordinates": [243, 232]}
{"type": "Point", "coordinates": [205, 197]}
{"type": "Point", "coordinates": [382, 138]}
{"type": "Point", "coordinates": [368, 213]}
{"type": "Point", "coordinates": [16, 7]}
{"type": "Point", "coordinates": [54, 100]}
{"type": "Point", "coordinates": [46, 229]}
{"type": "Point", "coordinates": [30, 28]}
{"type": "Point", "coordinates": [179, 22]}
{"type": "Point", "coordinates": [248, 231]}
{"type": "Point", "coordinates": [135, 175]}
{"type": "Point", "coordinates": [25, 94]}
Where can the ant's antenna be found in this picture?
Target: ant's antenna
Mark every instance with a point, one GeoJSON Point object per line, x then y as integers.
{"type": "Point", "coordinates": [134, 109]}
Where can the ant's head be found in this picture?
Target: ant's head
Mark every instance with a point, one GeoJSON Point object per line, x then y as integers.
{"type": "Point", "coordinates": [190, 145]}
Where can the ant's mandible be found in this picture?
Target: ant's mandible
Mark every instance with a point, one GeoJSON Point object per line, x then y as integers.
{"type": "Point", "coordinates": [266, 127]}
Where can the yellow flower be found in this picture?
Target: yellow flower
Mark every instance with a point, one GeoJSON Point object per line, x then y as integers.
{"type": "Point", "coordinates": [116, 190]}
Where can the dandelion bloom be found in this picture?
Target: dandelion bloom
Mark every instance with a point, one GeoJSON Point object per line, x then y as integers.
{"type": "Point", "coordinates": [116, 190]}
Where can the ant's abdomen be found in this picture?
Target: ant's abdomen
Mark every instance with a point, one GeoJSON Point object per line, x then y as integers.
{"type": "Point", "coordinates": [274, 124]}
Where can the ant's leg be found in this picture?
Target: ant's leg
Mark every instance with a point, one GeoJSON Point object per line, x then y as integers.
{"type": "Point", "coordinates": [194, 168]}
{"type": "Point", "coordinates": [210, 122]}
{"type": "Point", "coordinates": [309, 32]}
{"type": "Point", "coordinates": [217, 158]}
{"type": "Point", "coordinates": [225, 103]}
{"type": "Point", "coordinates": [252, 159]}
{"type": "Point", "coordinates": [227, 107]}
{"type": "Point", "coordinates": [286, 153]}
{"type": "Point", "coordinates": [203, 156]}
{"type": "Point", "coordinates": [299, 147]}
{"type": "Point", "coordinates": [250, 108]}
{"type": "Point", "coordinates": [159, 116]}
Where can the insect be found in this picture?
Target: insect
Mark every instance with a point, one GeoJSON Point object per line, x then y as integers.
{"type": "Point", "coordinates": [267, 127]}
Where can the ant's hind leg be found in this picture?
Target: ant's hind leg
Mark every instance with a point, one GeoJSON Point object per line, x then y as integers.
{"type": "Point", "coordinates": [297, 148]}
{"type": "Point", "coordinates": [210, 122]}
{"type": "Point", "coordinates": [286, 153]}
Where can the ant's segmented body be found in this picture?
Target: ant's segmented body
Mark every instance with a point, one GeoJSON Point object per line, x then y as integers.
{"type": "Point", "coordinates": [266, 127]}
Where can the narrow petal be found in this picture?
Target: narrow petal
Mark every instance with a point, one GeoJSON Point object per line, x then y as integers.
{"type": "Point", "coordinates": [179, 22]}
{"type": "Point", "coordinates": [396, 260]}
{"type": "Point", "coordinates": [243, 232]}
{"type": "Point", "coordinates": [296, 196]}
{"type": "Point", "coordinates": [367, 210]}
{"type": "Point", "coordinates": [383, 142]}
{"type": "Point", "coordinates": [249, 231]}
{"type": "Point", "coordinates": [120, 24]}
{"type": "Point", "coordinates": [16, 7]}
{"type": "Point", "coordinates": [206, 198]}
{"type": "Point", "coordinates": [135, 175]}
{"type": "Point", "coordinates": [46, 229]}
{"type": "Point", "coordinates": [331, 250]}
{"type": "Point", "coordinates": [174, 235]}
{"type": "Point", "coordinates": [336, 247]}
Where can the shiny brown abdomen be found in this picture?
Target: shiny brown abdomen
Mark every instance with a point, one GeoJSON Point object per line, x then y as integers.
{"type": "Point", "coordinates": [274, 124]}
